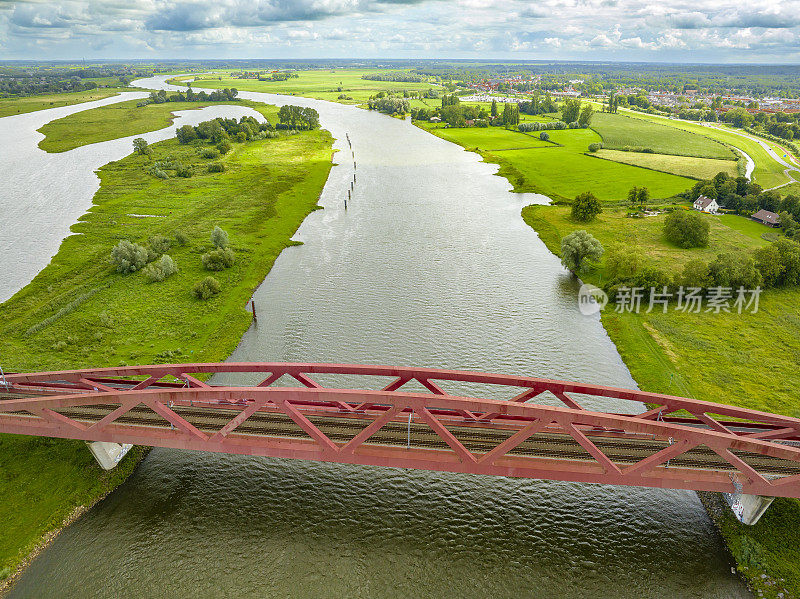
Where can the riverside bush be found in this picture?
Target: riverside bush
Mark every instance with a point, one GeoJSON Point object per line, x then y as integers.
{"type": "Point", "coordinates": [209, 153]}
{"type": "Point", "coordinates": [219, 238]}
{"type": "Point", "coordinates": [216, 167]}
{"type": "Point", "coordinates": [128, 257]}
{"type": "Point", "coordinates": [219, 259]}
{"type": "Point", "coordinates": [207, 288]}
{"type": "Point", "coordinates": [160, 269]}
{"type": "Point", "coordinates": [595, 147]}
{"type": "Point", "coordinates": [159, 244]}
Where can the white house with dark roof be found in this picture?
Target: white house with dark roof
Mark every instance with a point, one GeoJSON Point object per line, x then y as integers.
{"type": "Point", "coordinates": [704, 204]}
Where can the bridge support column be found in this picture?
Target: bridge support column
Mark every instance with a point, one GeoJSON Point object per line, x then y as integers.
{"type": "Point", "coordinates": [108, 455]}
{"type": "Point", "coordinates": [748, 509]}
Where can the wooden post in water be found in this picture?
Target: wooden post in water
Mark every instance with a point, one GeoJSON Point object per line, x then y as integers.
{"type": "Point", "coordinates": [253, 308]}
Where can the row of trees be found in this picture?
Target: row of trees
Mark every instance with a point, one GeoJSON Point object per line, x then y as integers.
{"type": "Point", "coordinates": [389, 105]}
{"type": "Point", "coordinates": [298, 118]}
{"type": "Point", "coordinates": [218, 95]}
{"type": "Point", "coordinates": [221, 130]}
{"type": "Point", "coordinates": [400, 76]}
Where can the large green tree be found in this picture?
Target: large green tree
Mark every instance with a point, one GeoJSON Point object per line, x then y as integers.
{"type": "Point", "coordinates": [686, 229]}
{"type": "Point", "coordinates": [570, 110]}
{"type": "Point", "coordinates": [578, 248]}
{"type": "Point", "coordinates": [586, 207]}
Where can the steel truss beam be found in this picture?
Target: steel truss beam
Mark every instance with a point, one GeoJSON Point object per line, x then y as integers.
{"type": "Point", "coordinates": [680, 443]}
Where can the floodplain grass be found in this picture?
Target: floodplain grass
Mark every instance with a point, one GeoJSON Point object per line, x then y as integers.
{"type": "Point", "coordinates": [12, 106]}
{"type": "Point", "coordinates": [490, 138]}
{"type": "Point", "coordinates": [745, 359]}
{"type": "Point", "coordinates": [322, 84]}
{"type": "Point", "coordinates": [685, 166]}
{"type": "Point", "coordinates": [116, 121]}
{"type": "Point", "coordinates": [767, 173]}
{"type": "Point", "coordinates": [619, 131]}
{"type": "Point", "coordinates": [268, 188]}
{"type": "Point", "coordinates": [561, 170]}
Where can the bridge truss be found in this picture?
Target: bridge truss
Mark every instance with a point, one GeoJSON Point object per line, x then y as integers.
{"type": "Point", "coordinates": [405, 417]}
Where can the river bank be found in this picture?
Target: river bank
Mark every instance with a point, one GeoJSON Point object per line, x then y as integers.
{"type": "Point", "coordinates": [710, 357]}
{"type": "Point", "coordinates": [79, 311]}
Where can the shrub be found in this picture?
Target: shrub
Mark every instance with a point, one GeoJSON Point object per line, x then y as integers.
{"type": "Point", "coordinates": [159, 244]}
{"type": "Point", "coordinates": [595, 147]}
{"type": "Point", "coordinates": [216, 167]}
{"type": "Point", "coordinates": [181, 238]}
{"type": "Point", "coordinates": [128, 257]}
{"type": "Point", "coordinates": [544, 136]}
{"type": "Point", "coordinates": [219, 259]}
{"type": "Point", "coordinates": [734, 270]}
{"type": "Point", "coordinates": [157, 172]}
{"type": "Point", "coordinates": [207, 288]}
{"type": "Point", "coordinates": [209, 153]}
{"type": "Point", "coordinates": [161, 269]}
{"type": "Point", "coordinates": [219, 237]}
{"type": "Point", "coordinates": [686, 229]}
{"type": "Point", "coordinates": [695, 274]}
{"type": "Point", "coordinates": [241, 137]}
{"type": "Point", "coordinates": [184, 171]}
{"type": "Point", "coordinates": [185, 134]}
{"type": "Point", "coordinates": [224, 146]}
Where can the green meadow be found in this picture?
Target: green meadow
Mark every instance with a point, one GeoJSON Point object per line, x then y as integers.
{"type": "Point", "coordinates": [79, 311]}
{"type": "Point", "coordinates": [685, 166]}
{"type": "Point", "coordinates": [768, 173]}
{"type": "Point", "coordinates": [321, 84]}
{"type": "Point", "coordinates": [113, 122]}
{"type": "Point", "coordinates": [619, 131]}
{"type": "Point", "coordinates": [12, 106]}
{"type": "Point", "coordinates": [561, 168]}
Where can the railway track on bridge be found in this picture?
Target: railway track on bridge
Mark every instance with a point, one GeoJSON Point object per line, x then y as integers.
{"type": "Point", "coordinates": [671, 442]}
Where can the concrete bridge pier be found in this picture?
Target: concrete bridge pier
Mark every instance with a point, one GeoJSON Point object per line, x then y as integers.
{"type": "Point", "coordinates": [748, 509]}
{"type": "Point", "coordinates": [108, 455]}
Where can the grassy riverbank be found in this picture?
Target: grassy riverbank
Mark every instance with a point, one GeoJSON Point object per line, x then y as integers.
{"type": "Point", "coordinates": [12, 106]}
{"type": "Point", "coordinates": [79, 312]}
{"type": "Point", "coordinates": [115, 121]}
{"type": "Point", "coordinates": [561, 168]}
{"type": "Point", "coordinates": [748, 360]}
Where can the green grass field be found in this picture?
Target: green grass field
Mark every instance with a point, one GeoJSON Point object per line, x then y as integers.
{"type": "Point", "coordinates": [492, 138]}
{"type": "Point", "coordinates": [103, 318]}
{"type": "Point", "coordinates": [11, 106]}
{"type": "Point", "coordinates": [321, 84]}
{"type": "Point", "coordinates": [561, 170]}
{"type": "Point", "coordinates": [645, 234]}
{"type": "Point", "coordinates": [768, 173]}
{"type": "Point", "coordinates": [619, 131]}
{"type": "Point", "coordinates": [748, 227]}
{"type": "Point", "coordinates": [113, 122]}
{"type": "Point", "coordinates": [685, 166]}
{"type": "Point", "coordinates": [748, 360]}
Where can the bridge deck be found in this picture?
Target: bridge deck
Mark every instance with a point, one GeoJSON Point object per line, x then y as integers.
{"type": "Point", "coordinates": [681, 443]}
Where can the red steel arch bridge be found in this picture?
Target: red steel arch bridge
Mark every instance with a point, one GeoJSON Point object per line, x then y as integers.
{"type": "Point", "coordinates": [404, 417]}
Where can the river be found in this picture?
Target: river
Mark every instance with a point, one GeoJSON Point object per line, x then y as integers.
{"type": "Point", "coordinates": [430, 265]}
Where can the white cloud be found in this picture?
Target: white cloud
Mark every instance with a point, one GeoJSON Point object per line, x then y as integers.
{"type": "Point", "coordinates": [592, 29]}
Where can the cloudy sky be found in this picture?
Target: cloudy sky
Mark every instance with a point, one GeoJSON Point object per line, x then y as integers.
{"type": "Point", "coordinates": [658, 30]}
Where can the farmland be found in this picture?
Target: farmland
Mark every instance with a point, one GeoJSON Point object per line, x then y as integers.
{"type": "Point", "coordinates": [320, 84]}
{"type": "Point", "coordinates": [619, 131]}
{"type": "Point", "coordinates": [560, 169]}
{"type": "Point", "coordinates": [685, 166]}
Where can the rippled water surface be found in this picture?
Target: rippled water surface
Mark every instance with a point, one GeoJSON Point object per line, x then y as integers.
{"type": "Point", "coordinates": [430, 265]}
